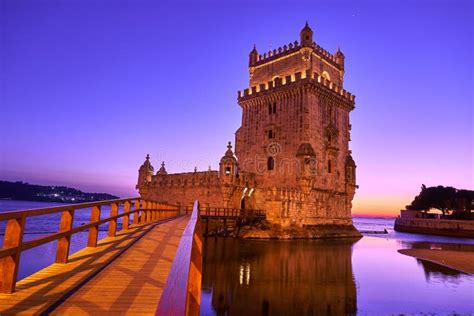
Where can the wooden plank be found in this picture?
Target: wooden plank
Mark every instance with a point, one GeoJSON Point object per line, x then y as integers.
{"type": "Point", "coordinates": [55, 236]}
{"type": "Point", "coordinates": [37, 292]}
{"type": "Point", "coordinates": [134, 282]}
{"type": "Point", "coordinates": [126, 218]}
{"type": "Point", "coordinates": [136, 214]}
{"type": "Point", "coordinates": [62, 251]}
{"type": "Point", "coordinates": [182, 292]}
{"type": "Point", "coordinates": [113, 223]}
{"type": "Point", "coordinates": [9, 265]}
{"type": "Point", "coordinates": [94, 230]}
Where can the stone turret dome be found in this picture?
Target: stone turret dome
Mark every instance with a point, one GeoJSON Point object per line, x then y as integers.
{"type": "Point", "coordinates": [229, 154]}
{"type": "Point", "coordinates": [306, 29]}
{"type": "Point", "coordinates": [254, 50]}
{"type": "Point", "coordinates": [339, 52]}
{"type": "Point", "coordinates": [146, 166]}
{"type": "Point", "coordinates": [306, 36]}
{"type": "Point", "coordinates": [162, 170]}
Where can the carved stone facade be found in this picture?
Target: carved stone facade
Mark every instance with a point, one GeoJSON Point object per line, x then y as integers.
{"type": "Point", "coordinates": [292, 149]}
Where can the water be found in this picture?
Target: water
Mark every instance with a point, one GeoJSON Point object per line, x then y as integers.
{"type": "Point", "coordinates": [40, 257]}
{"type": "Point", "coordinates": [337, 277]}
{"type": "Point", "coordinates": [341, 277]}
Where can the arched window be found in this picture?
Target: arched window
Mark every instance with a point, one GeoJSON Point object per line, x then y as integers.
{"type": "Point", "coordinates": [329, 166]}
{"type": "Point", "coordinates": [325, 75]}
{"type": "Point", "coordinates": [274, 108]}
{"type": "Point", "coordinates": [270, 163]}
{"type": "Point", "coordinates": [227, 170]}
{"type": "Point", "coordinates": [270, 134]}
{"type": "Point", "coordinates": [270, 108]}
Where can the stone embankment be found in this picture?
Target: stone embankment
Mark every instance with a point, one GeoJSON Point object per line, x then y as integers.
{"type": "Point", "coordinates": [265, 230]}
{"type": "Point", "coordinates": [443, 227]}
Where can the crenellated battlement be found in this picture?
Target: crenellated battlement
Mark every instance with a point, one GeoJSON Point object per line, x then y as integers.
{"type": "Point", "coordinates": [293, 48]}
{"type": "Point", "coordinates": [186, 178]}
{"type": "Point", "coordinates": [277, 53]}
{"type": "Point", "coordinates": [291, 80]}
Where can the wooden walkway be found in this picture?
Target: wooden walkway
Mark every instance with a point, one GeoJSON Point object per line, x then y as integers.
{"type": "Point", "coordinates": [122, 275]}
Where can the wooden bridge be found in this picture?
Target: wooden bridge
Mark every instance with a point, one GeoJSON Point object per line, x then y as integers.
{"type": "Point", "coordinates": [150, 261]}
{"type": "Point", "coordinates": [222, 221]}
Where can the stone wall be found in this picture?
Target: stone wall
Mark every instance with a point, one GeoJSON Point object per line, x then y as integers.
{"type": "Point", "coordinates": [292, 156]}
{"type": "Point", "coordinates": [454, 228]}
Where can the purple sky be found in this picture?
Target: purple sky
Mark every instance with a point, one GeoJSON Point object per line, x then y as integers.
{"type": "Point", "coordinates": [88, 88]}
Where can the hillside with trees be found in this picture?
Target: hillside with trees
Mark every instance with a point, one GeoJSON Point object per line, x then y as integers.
{"type": "Point", "coordinates": [30, 192]}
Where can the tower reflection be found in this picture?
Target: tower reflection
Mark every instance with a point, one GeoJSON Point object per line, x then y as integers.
{"type": "Point", "coordinates": [279, 277]}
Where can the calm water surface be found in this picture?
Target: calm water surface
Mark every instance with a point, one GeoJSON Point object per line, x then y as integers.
{"type": "Point", "coordinates": [338, 277]}
{"type": "Point", "coordinates": [40, 257]}
{"type": "Point", "coordinates": [364, 277]}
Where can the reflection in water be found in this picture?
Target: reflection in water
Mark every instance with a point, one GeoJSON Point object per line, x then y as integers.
{"type": "Point", "coordinates": [278, 277]}
{"type": "Point", "coordinates": [436, 272]}
{"type": "Point", "coordinates": [437, 245]}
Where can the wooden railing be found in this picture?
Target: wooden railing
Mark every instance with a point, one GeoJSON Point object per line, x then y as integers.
{"type": "Point", "coordinates": [216, 212]}
{"type": "Point", "coordinates": [182, 292]}
{"type": "Point", "coordinates": [144, 211]}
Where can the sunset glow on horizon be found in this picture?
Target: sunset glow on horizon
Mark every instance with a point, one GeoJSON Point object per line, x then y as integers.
{"type": "Point", "coordinates": [84, 102]}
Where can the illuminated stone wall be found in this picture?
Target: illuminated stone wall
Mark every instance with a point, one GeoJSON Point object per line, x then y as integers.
{"type": "Point", "coordinates": [296, 113]}
{"type": "Point", "coordinates": [292, 156]}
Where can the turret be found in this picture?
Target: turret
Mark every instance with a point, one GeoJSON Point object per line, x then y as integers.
{"type": "Point", "coordinates": [145, 172]}
{"type": "Point", "coordinates": [350, 170]}
{"type": "Point", "coordinates": [228, 165]}
{"type": "Point", "coordinates": [162, 170]}
{"type": "Point", "coordinates": [339, 57]}
{"type": "Point", "coordinates": [306, 36]}
{"type": "Point", "coordinates": [253, 56]}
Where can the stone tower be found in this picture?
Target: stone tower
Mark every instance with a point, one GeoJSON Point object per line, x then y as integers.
{"type": "Point", "coordinates": [295, 134]}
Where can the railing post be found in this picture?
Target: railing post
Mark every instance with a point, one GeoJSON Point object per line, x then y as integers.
{"type": "Point", "coordinates": [136, 214]}
{"type": "Point", "coordinates": [62, 252]}
{"type": "Point", "coordinates": [9, 265]}
{"type": "Point", "coordinates": [94, 231]}
{"type": "Point", "coordinates": [145, 205]}
{"type": "Point", "coordinates": [126, 218]}
{"type": "Point", "coordinates": [148, 211]}
{"type": "Point", "coordinates": [153, 206]}
{"type": "Point", "coordinates": [113, 223]}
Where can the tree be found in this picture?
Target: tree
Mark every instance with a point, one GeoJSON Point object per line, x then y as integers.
{"type": "Point", "coordinates": [445, 199]}
{"type": "Point", "coordinates": [421, 202]}
{"type": "Point", "coordinates": [463, 204]}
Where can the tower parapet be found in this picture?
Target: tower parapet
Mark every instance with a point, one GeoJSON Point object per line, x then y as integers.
{"type": "Point", "coordinates": [292, 80]}
{"type": "Point", "coordinates": [296, 57]}
{"type": "Point", "coordinates": [294, 47]}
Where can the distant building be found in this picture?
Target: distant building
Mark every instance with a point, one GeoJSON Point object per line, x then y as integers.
{"type": "Point", "coordinates": [292, 156]}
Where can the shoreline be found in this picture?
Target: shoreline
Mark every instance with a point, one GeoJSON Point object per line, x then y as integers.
{"type": "Point", "coordinates": [458, 260]}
